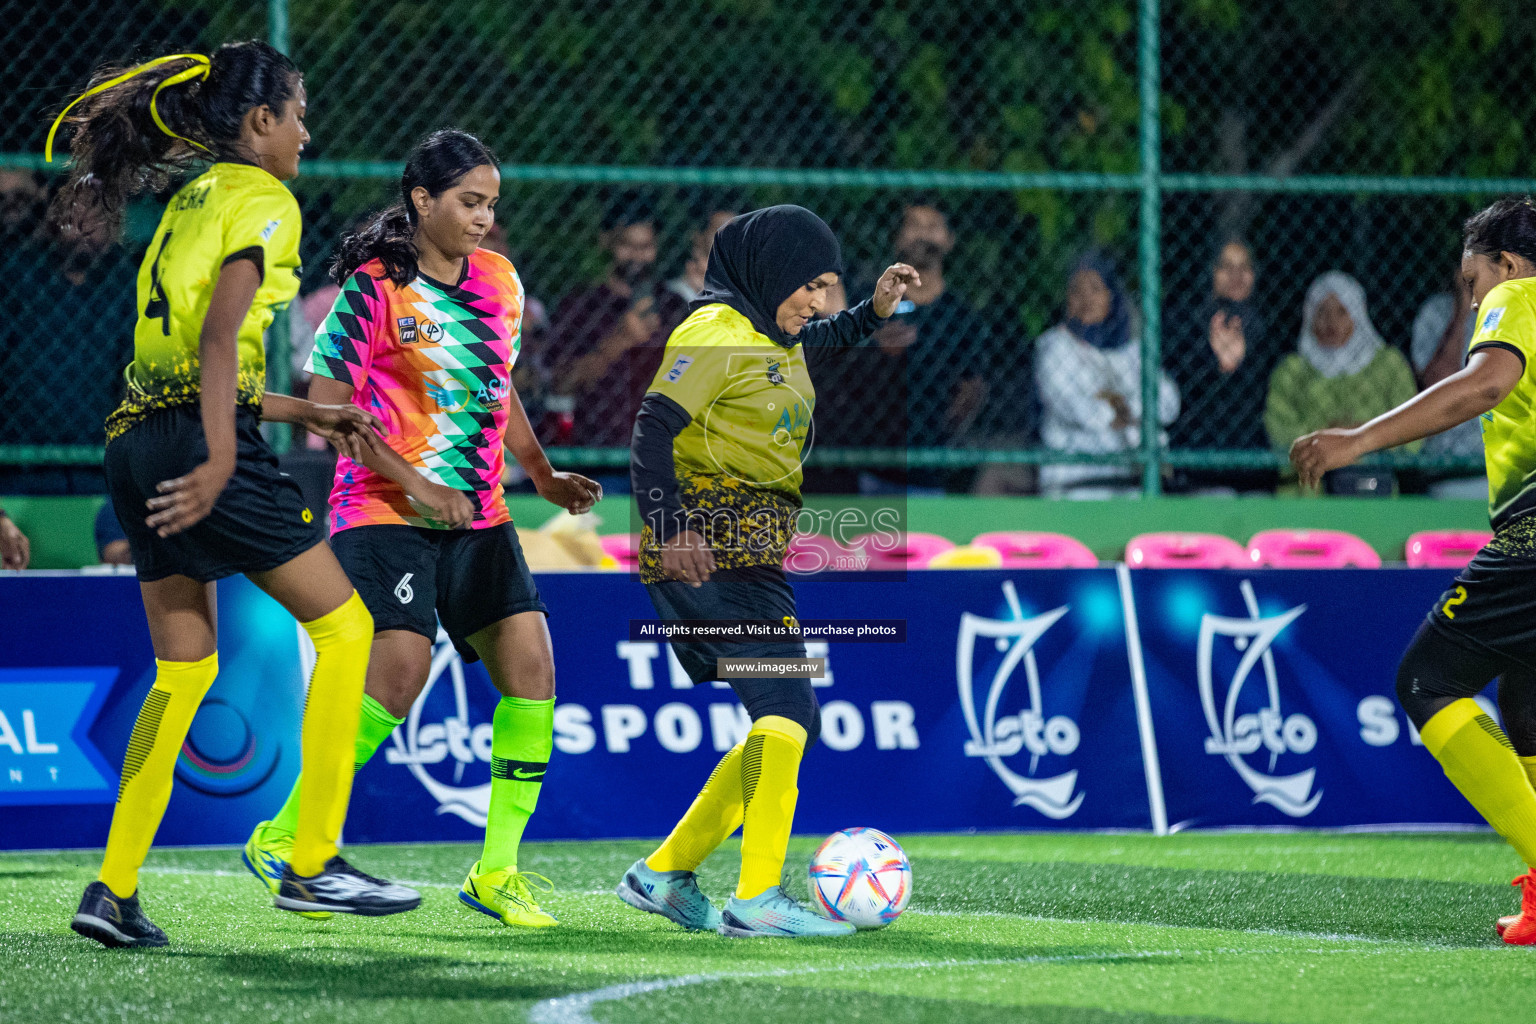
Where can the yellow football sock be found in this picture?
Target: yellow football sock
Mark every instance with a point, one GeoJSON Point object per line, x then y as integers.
{"type": "Point", "coordinates": [715, 814]}
{"type": "Point", "coordinates": [150, 765]}
{"type": "Point", "coordinates": [342, 639]}
{"type": "Point", "coordinates": [770, 769]}
{"type": "Point", "coordinates": [1529, 764]}
{"type": "Point", "coordinates": [1480, 760]}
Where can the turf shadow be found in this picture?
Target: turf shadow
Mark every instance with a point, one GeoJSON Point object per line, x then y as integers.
{"type": "Point", "coordinates": [696, 951]}
{"type": "Point", "coordinates": [792, 1004]}
{"type": "Point", "coordinates": [1435, 912]}
{"type": "Point", "coordinates": [345, 973]}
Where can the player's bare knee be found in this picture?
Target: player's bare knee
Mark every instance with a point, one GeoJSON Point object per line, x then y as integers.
{"type": "Point", "coordinates": [529, 678]}
{"type": "Point", "coordinates": [397, 680]}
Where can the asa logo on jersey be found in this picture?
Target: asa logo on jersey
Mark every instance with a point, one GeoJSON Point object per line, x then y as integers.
{"type": "Point", "coordinates": [492, 393]}
{"type": "Point", "coordinates": [1238, 734]}
{"type": "Point", "coordinates": [449, 394]}
{"type": "Point", "coordinates": [439, 743]}
{"type": "Point", "coordinates": [999, 737]}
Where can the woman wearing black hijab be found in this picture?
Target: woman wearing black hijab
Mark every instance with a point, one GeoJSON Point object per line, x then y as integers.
{"type": "Point", "coordinates": [1222, 360]}
{"type": "Point", "coordinates": [715, 463]}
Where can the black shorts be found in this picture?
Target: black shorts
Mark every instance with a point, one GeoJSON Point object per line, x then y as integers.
{"type": "Point", "coordinates": [410, 577]}
{"type": "Point", "coordinates": [259, 522]}
{"type": "Point", "coordinates": [758, 596]}
{"type": "Point", "coordinates": [1491, 608]}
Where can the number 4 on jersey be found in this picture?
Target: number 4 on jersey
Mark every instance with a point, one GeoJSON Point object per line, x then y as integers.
{"type": "Point", "coordinates": [157, 308]}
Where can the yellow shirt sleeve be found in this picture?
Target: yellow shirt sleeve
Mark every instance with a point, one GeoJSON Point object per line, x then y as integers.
{"type": "Point", "coordinates": [692, 376]}
{"type": "Point", "coordinates": [1505, 320]}
{"type": "Point", "coordinates": [269, 221]}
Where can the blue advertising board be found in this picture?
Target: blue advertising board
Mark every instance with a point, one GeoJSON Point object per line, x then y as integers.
{"type": "Point", "coordinates": [1093, 698]}
{"type": "Point", "coordinates": [1009, 706]}
{"type": "Point", "coordinates": [1272, 697]}
{"type": "Point", "coordinates": [75, 664]}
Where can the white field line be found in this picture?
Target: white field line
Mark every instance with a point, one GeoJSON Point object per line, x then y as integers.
{"type": "Point", "coordinates": [576, 1008]}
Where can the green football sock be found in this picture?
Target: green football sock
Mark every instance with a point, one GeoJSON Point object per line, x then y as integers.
{"type": "Point", "coordinates": [373, 728]}
{"type": "Point", "coordinates": [522, 739]}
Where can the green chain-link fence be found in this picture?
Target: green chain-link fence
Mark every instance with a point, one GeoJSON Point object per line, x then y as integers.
{"type": "Point", "coordinates": [995, 142]}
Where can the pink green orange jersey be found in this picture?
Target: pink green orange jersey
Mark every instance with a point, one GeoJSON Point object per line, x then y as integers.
{"type": "Point", "coordinates": [434, 362]}
{"type": "Point", "coordinates": [229, 212]}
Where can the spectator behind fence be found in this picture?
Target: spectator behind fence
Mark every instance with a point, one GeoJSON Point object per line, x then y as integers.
{"type": "Point", "coordinates": [1341, 375]}
{"type": "Point", "coordinates": [69, 303]}
{"type": "Point", "coordinates": [23, 199]}
{"type": "Point", "coordinates": [607, 339]}
{"type": "Point", "coordinates": [15, 549]}
{"type": "Point", "coordinates": [948, 344]}
{"type": "Point", "coordinates": [934, 350]}
{"type": "Point", "coordinates": [1441, 332]}
{"type": "Point", "coordinates": [1088, 373]}
{"type": "Point", "coordinates": [111, 539]}
{"type": "Point", "coordinates": [1221, 356]}
{"type": "Point", "coordinates": [690, 282]}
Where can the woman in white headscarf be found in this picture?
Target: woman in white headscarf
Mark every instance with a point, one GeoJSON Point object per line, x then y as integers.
{"type": "Point", "coordinates": [1341, 373]}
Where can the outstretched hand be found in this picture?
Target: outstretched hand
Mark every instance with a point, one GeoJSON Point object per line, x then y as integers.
{"type": "Point", "coordinates": [571, 491]}
{"type": "Point", "coordinates": [892, 287]}
{"type": "Point", "coordinates": [1322, 450]}
{"type": "Point", "coordinates": [15, 549]}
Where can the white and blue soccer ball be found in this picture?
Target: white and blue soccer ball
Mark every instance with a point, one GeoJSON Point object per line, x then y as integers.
{"type": "Point", "coordinates": [861, 876]}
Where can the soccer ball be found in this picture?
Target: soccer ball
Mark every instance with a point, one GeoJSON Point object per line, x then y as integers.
{"type": "Point", "coordinates": [862, 876]}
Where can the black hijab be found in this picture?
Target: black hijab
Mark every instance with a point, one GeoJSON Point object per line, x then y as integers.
{"type": "Point", "coordinates": [762, 258]}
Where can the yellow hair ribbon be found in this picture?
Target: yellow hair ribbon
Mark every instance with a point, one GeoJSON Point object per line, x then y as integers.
{"type": "Point", "coordinates": [198, 70]}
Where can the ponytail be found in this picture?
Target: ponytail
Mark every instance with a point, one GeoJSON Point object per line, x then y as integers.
{"type": "Point", "coordinates": [389, 238]}
{"type": "Point", "coordinates": [438, 163]}
{"type": "Point", "coordinates": [134, 128]}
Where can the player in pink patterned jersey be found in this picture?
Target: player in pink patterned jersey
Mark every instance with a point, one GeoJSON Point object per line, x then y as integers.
{"type": "Point", "coordinates": [433, 361]}
{"type": "Point", "coordinates": [424, 334]}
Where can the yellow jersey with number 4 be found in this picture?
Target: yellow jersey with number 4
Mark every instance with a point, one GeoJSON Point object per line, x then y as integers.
{"type": "Point", "coordinates": [229, 212]}
{"type": "Point", "coordinates": [1506, 319]}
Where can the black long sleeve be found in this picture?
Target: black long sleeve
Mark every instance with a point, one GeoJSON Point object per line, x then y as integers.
{"type": "Point", "coordinates": [652, 472]}
{"type": "Point", "coordinates": [849, 327]}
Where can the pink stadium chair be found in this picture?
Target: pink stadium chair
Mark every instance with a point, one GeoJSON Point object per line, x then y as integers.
{"type": "Point", "coordinates": [1445, 549]}
{"type": "Point", "coordinates": [1185, 551]}
{"type": "Point", "coordinates": [1311, 549]}
{"type": "Point", "coordinates": [913, 551]}
{"type": "Point", "coordinates": [814, 552]}
{"type": "Point", "coordinates": [623, 548]}
{"type": "Point", "coordinates": [1024, 549]}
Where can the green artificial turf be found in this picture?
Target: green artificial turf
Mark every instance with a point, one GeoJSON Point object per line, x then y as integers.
{"type": "Point", "coordinates": [1055, 929]}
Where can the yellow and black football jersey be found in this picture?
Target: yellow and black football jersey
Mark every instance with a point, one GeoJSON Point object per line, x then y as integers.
{"type": "Point", "coordinates": [230, 212]}
{"type": "Point", "coordinates": [1506, 319]}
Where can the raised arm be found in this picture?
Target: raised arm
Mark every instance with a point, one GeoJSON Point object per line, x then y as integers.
{"type": "Point", "coordinates": [852, 326]}
{"type": "Point", "coordinates": [1490, 374]}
